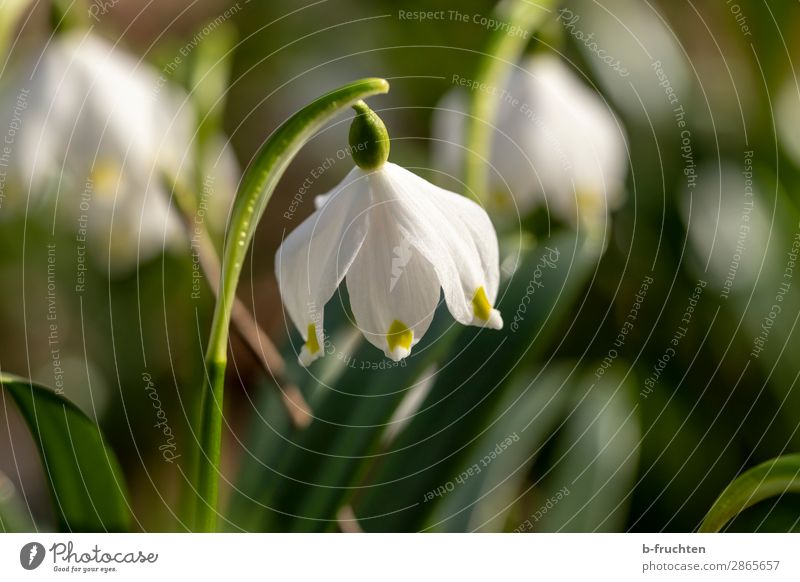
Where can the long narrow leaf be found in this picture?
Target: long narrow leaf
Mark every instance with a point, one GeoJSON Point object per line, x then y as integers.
{"type": "Point", "coordinates": [83, 473]}
{"type": "Point", "coordinates": [770, 479]}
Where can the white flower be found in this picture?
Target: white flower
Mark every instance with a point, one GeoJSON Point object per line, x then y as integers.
{"type": "Point", "coordinates": [398, 240]}
{"type": "Point", "coordinates": [555, 141]}
{"type": "Point", "coordinates": [99, 132]}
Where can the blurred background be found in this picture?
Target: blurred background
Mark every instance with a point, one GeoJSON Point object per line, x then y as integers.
{"type": "Point", "coordinates": [644, 375]}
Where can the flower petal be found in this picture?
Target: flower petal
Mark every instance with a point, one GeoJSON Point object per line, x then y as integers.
{"type": "Point", "coordinates": [394, 290]}
{"type": "Point", "coordinates": [314, 258]}
{"type": "Point", "coordinates": [456, 237]}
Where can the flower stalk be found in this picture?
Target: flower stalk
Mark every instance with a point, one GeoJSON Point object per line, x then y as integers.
{"type": "Point", "coordinates": [254, 193]}
{"type": "Point", "coordinates": [499, 55]}
{"type": "Point", "coordinates": [255, 339]}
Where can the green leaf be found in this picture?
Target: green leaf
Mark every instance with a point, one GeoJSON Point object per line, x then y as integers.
{"type": "Point", "coordinates": [772, 478]}
{"type": "Point", "coordinates": [337, 448]}
{"type": "Point", "coordinates": [532, 410]}
{"type": "Point", "coordinates": [595, 459]}
{"type": "Point", "coordinates": [83, 474]}
{"type": "Point", "coordinates": [209, 78]}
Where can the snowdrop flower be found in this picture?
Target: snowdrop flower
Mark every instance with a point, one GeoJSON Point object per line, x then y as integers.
{"type": "Point", "coordinates": [397, 240]}
{"type": "Point", "coordinates": [100, 132]}
{"type": "Point", "coordinates": [556, 141]}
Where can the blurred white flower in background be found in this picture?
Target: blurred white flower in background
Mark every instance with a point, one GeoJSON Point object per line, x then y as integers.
{"type": "Point", "coordinates": [556, 142]}
{"type": "Point", "coordinates": [448, 243]}
{"type": "Point", "coordinates": [99, 133]}
{"type": "Point", "coordinates": [729, 227]}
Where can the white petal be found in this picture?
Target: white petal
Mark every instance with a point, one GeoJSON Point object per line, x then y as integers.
{"type": "Point", "coordinates": [453, 234]}
{"type": "Point", "coordinates": [513, 180]}
{"type": "Point", "coordinates": [319, 201]}
{"type": "Point", "coordinates": [393, 289]}
{"type": "Point", "coordinates": [314, 258]}
{"type": "Point", "coordinates": [579, 146]}
{"type": "Point", "coordinates": [469, 217]}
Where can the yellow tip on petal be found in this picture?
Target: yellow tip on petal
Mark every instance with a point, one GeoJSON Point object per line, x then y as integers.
{"type": "Point", "coordinates": [480, 305]}
{"type": "Point", "coordinates": [399, 339]}
{"type": "Point", "coordinates": [311, 342]}
{"type": "Point", "coordinates": [310, 350]}
{"type": "Point", "coordinates": [483, 312]}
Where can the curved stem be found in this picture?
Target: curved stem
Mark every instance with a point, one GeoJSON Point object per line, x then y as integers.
{"type": "Point", "coordinates": [501, 52]}
{"type": "Point", "coordinates": [255, 191]}
{"type": "Point", "coordinates": [769, 479]}
{"type": "Point", "coordinates": [257, 341]}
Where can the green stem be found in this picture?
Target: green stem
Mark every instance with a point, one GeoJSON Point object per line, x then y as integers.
{"type": "Point", "coordinates": [255, 191]}
{"type": "Point", "coordinates": [248, 330]}
{"type": "Point", "coordinates": [501, 52]}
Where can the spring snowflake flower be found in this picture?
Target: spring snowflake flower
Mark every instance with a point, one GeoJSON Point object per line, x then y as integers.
{"type": "Point", "coordinates": [556, 141]}
{"type": "Point", "coordinates": [397, 240]}
{"type": "Point", "coordinates": [98, 132]}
